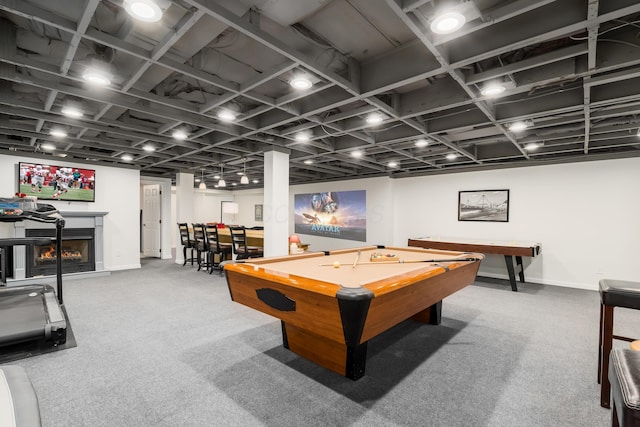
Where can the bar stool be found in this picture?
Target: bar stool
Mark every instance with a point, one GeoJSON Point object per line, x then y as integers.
{"type": "Point", "coordinates": [613, 293]}
{"type": "Point", "coordinates": [187, 242]}
{"type": "Point", "coordinates": [624, 376]}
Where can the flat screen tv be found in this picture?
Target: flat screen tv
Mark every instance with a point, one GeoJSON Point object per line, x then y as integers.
{"type": "Point", "coordinates": [56, 182]}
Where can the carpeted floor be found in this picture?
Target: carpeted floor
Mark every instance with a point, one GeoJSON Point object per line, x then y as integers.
{"type": "Point", "coordinates": [165, 346]}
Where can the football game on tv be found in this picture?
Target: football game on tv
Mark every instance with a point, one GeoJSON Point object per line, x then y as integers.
{"type": "Point", "coordinates": [53, 182]}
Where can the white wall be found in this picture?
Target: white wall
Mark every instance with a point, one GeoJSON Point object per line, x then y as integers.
{"type": "Point", "coordinates": [247, 201]}
{"type": "Point", "coordinates": [586, 215]}
{"type": "Point", "coordinates": [117, 191]}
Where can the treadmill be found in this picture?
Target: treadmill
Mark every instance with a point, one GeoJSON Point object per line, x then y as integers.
{"type": "Point", "coordinates": [31, 312]}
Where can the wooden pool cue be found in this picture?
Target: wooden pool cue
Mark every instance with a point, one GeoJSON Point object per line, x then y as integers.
{"type": "Point", "coordinates": [410, 261]}
{"type": "Point", "coordinates": [356, 260]}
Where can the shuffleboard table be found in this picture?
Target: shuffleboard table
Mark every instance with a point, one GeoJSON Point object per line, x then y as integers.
{"type": "Point", "coordinates": [332, 303]}
{"type": "Point", "coordinates": [507, 248]}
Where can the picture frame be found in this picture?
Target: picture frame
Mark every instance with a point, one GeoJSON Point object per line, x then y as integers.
{"type": "Point", "coordinates": [257, 210]}
{"type": "Point", "coordinates": [483, 205]}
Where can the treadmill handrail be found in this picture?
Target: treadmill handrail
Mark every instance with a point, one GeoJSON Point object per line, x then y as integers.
{"type": "Point", "coordinates": [22, 210]}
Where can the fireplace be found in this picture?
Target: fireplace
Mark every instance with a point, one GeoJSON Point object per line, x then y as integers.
{"type": "Point", "coordinates": [81, 228]}
{"type": "Point", "coordinates": [78, 252]}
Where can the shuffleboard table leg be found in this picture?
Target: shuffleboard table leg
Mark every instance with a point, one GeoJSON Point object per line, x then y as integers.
{"type": "Point", "coordinates": [521, 272]}
{"type": "Point", "coordinates": [512, 274]}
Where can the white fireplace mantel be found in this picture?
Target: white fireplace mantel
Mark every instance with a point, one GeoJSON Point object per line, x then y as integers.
{"type": "Point", "coordinates": [75, 219]}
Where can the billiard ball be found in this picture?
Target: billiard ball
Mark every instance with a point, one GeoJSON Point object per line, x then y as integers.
{"type": "Point", "coordinates": [336, 264]}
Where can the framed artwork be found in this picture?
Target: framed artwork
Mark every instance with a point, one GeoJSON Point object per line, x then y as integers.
{"type": "Point", "coordinates": [483, 205]}
{"type": "Point", "coordinates": [257, 210]}
{"type": "Point", "coordinates": [333, 214]}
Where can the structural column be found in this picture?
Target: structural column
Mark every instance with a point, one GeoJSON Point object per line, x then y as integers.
{"type": "Point", "coordinates": [276, 203]}
{"type": "Point", "coordinates": [184, 207]}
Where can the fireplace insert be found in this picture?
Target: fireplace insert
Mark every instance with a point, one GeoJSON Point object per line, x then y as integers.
{"type": "Point", "coordinates": [78, 252]}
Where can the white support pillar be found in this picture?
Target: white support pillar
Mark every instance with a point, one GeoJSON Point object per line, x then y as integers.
{"type": "Point", "coordinates": [184, 206]}
{"type": "Point", "coordinates": [276, 203]}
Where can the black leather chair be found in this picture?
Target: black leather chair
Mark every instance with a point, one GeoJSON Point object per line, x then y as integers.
{"type": "Point", "coordinates": [187, 242]}
{"type": "Point", "coordinates": [613, 293]}
{"type": "Point", "coordinates": [222, 250]}
{"type": "Point", "coordinates": [240, 247]}
{"type": "Point", "coordinates": [624, 376]}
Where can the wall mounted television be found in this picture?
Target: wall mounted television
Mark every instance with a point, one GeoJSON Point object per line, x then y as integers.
{"type": "Point", "coordinates": [56, 182]}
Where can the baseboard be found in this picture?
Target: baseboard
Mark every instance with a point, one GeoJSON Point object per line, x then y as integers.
{"type": "Point", "coordinates": [52, 279]}
{"type": "Point", "coordinates": [540, 281]}
{"type": "Point", "coordinates": [126, 267]}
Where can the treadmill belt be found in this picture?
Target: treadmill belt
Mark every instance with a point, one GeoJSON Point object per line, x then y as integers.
{"type": "Point", "coordinates": [22, 317]}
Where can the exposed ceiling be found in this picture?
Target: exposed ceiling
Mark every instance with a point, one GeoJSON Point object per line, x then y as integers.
{"type": "Point", "coordinates": [571, 68]}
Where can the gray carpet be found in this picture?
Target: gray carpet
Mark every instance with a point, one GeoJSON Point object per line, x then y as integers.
{"type": "Point", "coordinates": [165, 346]}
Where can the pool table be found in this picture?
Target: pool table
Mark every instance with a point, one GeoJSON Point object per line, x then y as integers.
{"type": "Point", "coordinates": [332, 303]}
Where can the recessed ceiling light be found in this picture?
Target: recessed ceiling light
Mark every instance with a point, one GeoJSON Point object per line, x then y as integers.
{"type": "Point", "coordinates": [300, 83]}
{"type": "Point", "coordinates": [308, 162]}
{"type": "Point", "coordinates": [71, 111]}
{"type": "Point", "coordinates": [492, 89]}
{"type": "Point", "coordinates": [531, 146]}
{"type": "Point", "coordinates": [518, 126]}
{"type": "Point", "coordinates": [179, 134]}
{"type": "Point", "coordinates": [452, 156]}
{"type": "Point", "coordinates": [303, 136]}
{"type": "Point", "coordinates": [48, 147]}
{"type": "Point", "coordinates": [127, 157]}
{"type": "Point", "coordinates": [392, 164]}
{"type": "Point", "coordinates": [421, 143]}
{"type": "Point", "coordinates": [226, 115]}
{"type": "Point", "coordinates": [447, 22]}
{"type": "Point", "coordinates": [255, 181]}
{"type": "Point", "coordinates": [356, 153]}
{"type": "Point", "coordinates": [234, 183]}
{"type": "Point", "coordinates": [144, 10]}
{"type": "Point", "coordinates": [375, 118]}
{"type": "Point", "coordinates": [96, 77]}
{"type": "Point", "coordinates": [149, 148]}
{"type": "Point", "coordinates": [58, 133]}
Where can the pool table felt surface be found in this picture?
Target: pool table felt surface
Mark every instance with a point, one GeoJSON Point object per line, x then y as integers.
{"type": "Point", "coordinates": [372, 275]}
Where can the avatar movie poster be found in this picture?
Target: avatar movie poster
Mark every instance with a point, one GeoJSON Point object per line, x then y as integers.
{"type": "Point", "coordinates": [337, 214]}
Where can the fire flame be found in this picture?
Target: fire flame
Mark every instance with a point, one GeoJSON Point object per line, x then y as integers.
{"type": "Point", "coordinates": [51, 253]}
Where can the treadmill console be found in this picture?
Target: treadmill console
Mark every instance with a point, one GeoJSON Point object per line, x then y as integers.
{"type": "Point", "coordinates": [19, 209]}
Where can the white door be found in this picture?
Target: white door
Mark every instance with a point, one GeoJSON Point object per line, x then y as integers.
{"type": "Point", "coordinates": [151, 220]}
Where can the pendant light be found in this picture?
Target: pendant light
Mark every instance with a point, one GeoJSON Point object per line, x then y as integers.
{"type": "Point", "coordinates": [202, 185]}
{"type": "Point", "coordinates": [221, 183]}
{"type": "Point", "coordinates": [244, 179]}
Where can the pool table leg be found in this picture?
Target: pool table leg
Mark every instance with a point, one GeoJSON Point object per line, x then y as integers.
{"type": "Point", "coordinates": [347, 360]}
{"type": "Point", "coordinates": [431, 315]}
